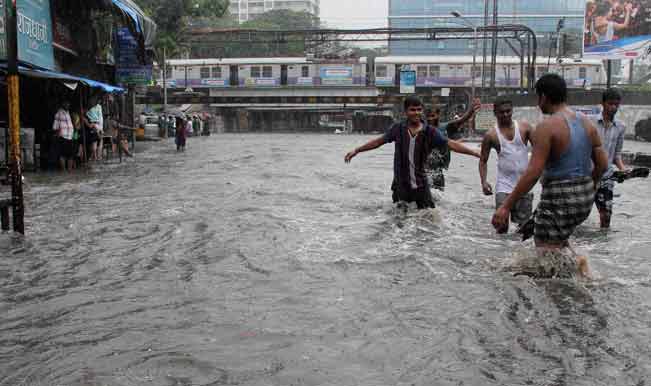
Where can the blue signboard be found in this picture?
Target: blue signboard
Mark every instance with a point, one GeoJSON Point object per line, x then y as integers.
{"type": "Point", "coordinates": [407, 82]}
{"type": "Point", "coordinates": [130, 69]}
{"type": "Point", "coordinates": [336, 75]}
{"type": "Point", "coordinates": [34, 25]}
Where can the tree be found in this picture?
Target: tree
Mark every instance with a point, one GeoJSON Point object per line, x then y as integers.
{"type": "Point", "coordinates": [278, 19]}
{"type": "Point", "coordinates": [173, 17]}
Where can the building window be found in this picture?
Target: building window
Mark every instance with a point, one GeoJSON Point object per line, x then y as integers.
{"type": "Point", "coordinates": [305, 71]}
{"type": "Point", "coordinates": [583, 73]}
{"type": "Point", "coordinates": [216, 72]}
{"type": "Point", "coordinates": [435, 72]}
{"type": "Point", "coordinates": [267, 72]}
{"type": "Point", "coordinates": [255, 71]}
{"type": "Point", "coordinates": [421, 72]}
{"type": "Point", "coordinates": [381, 71]}
{"type": "Point", "coordinates": [205, 72]}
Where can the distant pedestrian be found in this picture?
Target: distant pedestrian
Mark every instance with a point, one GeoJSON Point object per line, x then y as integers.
{"type": "Point", "coordinates": [64, 132]}
{"type": "Point", "coordinates": [180, 135]}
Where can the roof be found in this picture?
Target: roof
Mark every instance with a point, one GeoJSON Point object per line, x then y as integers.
{"type": "Point", "coordinates": [283, 60]}
{"type": "Point", "coordinates": [449, 59]}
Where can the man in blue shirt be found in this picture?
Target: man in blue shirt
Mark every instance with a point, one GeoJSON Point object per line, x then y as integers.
{"type": "Point", "coordinates": [414, 141]}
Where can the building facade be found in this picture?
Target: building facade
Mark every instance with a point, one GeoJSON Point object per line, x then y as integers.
{"type": "Point", "coordinates": [245, 10]}
{"type": "Point", "coordinates": [541, 16]}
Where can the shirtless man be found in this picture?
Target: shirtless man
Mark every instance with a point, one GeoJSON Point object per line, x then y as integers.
{"type": "Point", "coordinates": [565, 147]}
{"type": "Point", "coordinates": [509, 138]}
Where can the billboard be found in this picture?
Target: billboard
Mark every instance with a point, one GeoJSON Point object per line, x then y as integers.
{"type": "Point", "coordinates": [129, 69]}
{"type": "Point", "coordinates": [34, 27]}
{"type": "Point", "coordinates": [407, 82]}
{"type": "Point", "coordinates": [336, 75]}
{"type": "Point", "coordinates": [617, 29]}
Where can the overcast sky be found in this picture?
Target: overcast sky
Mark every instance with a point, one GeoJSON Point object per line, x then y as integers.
{"type": "Point", "coordinates": [354, 14]}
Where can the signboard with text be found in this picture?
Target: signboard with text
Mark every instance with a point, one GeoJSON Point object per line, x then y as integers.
{"type": "Point", "coordinates": [336, 75]}
{"type": "Point", "coordinates": [485, 118]}
{"type": "Point", "coordinates": [617, 30]}
{"type": "Point", "coordinates": [129, 67]}
{"type": "Point", "coordinates": [34, 27]}
{"type": "Point", "coordinates": [407, 82]}
{"type": "Point", "coordinates": [3, 32]}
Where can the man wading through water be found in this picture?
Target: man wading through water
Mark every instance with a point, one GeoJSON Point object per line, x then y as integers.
{"type": "Point", "coordinates": [414, 142]}
{"type": "Point", "coordinates": [565, 146]}
{"type": "Point", "coordinates": [509, 138]}
{"type": "Point", "coordinates": [439, 159]}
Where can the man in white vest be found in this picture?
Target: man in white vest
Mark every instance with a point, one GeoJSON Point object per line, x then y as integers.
{"type": "Point", "coordinates": [510, 139]}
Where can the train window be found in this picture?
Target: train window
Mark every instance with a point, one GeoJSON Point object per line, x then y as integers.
{"type": "Point", "coordinates": [583, 73]}
{"type": "Point", "coordinates": [476, 71]}
{"type": "Point", "coordinates": [216, 72]}
{"type": "Point", "coordinates": [421, 71]}
{"type": "Point", "coordinates": [305, 71]}
{"type": "Point", "coordinates": [434, 71]}
{"type": "Point", "coordinates": [267, 72]}
{"type": "Point", "coordinates": [168, 71]}
{"type": "Point", "coordinates": [381, 71]}
{"type": "Point", "coordinates": [255, 71]}
{"type": "Point", "coordinates": [205, 72]}
{"type": "Point", "coordinates": [542, 70]}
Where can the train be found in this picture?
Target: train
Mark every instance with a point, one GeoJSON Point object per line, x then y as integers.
{"type": "Point", "coordinates": [381, 72]}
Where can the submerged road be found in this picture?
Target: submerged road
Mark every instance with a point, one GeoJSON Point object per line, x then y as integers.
{"type": "Point", "coordinates": [260, 259]}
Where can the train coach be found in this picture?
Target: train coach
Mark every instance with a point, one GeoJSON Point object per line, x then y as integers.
{"type": "Point", "coordinates": [457, 71]}
{"type": "Point", "coordinates": [263, 72]}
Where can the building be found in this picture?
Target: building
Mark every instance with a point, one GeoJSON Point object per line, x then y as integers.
{"type": "Point", "coordinates": [541, 16]}
{"type": "Point", "coordinates": [245, 10]}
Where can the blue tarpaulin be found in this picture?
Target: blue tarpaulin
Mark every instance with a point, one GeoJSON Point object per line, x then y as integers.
{"type": "Point", "coordinates": [47, 74]}
{"type": "Point", "coordinates": [142, 24]}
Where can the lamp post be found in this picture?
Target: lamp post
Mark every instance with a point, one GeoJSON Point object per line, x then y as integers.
{"type": "Point", "coordinates": [458, 15]}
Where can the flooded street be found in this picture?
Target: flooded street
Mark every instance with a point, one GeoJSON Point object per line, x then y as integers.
{"type": "Point", "coordinates": [263, 259]}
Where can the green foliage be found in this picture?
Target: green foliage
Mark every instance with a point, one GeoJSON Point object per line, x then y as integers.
{"type": "Point", "coordinates": [282, 19]}
{"type": "Point", "coordinates": [173, 17]}
{"type": "Point", "coordinates": [279, 20]}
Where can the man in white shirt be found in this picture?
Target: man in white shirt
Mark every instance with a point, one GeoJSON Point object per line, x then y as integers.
{"type": "Point", "coordinates": [509, 138]}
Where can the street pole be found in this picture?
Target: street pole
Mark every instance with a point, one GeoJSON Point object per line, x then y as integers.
{"type": "Point", "coordinates": [474, 59]}
{"type": "Point", "coordinates": [164, 80]}
{"type": "Point", "coordinates": [13, 98]}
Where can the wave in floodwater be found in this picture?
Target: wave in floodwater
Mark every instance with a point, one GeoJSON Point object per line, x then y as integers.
{"type": "Point", "coordinates": [259, 259]}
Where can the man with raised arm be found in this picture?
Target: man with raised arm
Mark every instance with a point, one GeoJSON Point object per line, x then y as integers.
{"type": "Point", "coordinates": [414, 141]}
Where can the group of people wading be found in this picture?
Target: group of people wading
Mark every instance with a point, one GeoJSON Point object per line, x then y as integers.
{"type": "Point", "coordinates": [574, 155]}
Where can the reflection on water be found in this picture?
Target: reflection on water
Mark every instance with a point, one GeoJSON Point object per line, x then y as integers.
{"type": "Point", "coordinates": [265, 260]}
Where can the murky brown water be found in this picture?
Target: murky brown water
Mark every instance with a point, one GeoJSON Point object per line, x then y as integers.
{"type": "Point", "coordinates": [265, 260]}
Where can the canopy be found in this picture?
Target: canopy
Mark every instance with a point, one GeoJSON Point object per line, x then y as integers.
{"type": "Point", "coordinates": [66, 78]}
{"type": "Point", "coordinates": [142, 23]}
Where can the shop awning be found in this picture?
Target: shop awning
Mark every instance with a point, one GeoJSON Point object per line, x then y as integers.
{"type": "Point", "coordinates": [143, 24]}
{"type": "Point", "coordinates": [67, 78]}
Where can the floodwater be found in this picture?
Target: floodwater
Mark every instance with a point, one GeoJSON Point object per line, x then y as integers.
{"type": "Point", "coordinates": [262, 259]}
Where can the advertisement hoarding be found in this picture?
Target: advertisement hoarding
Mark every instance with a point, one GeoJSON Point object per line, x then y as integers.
{"type": "Point", "coordinates": [407, 82]}
{"type": "Point", "coordinates": [34, 27]}
{"type": "Point", "coordinates": [617, 30]}
{"type": "Point", "coordinates": [336, 75]}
